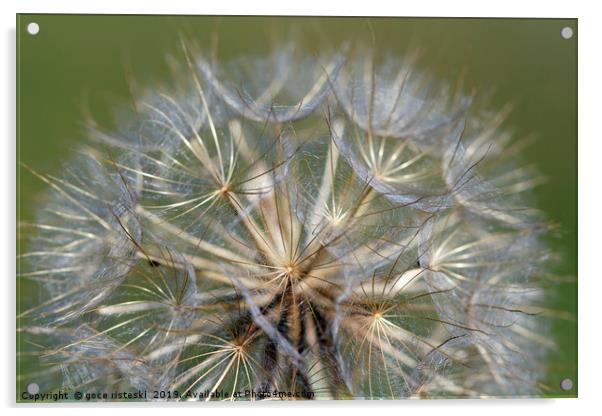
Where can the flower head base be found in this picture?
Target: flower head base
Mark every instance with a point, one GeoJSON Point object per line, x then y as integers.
{"type": "Point", "coordinates": [348, 243]}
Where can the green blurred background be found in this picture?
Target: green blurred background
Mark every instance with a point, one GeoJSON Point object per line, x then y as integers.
{"type": "Point", "coordinates": [79, 61]}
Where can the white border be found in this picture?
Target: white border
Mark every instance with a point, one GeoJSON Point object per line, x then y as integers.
{"type": "Point", "coordinates": [459, 8]}
{"type": "Point", "coordinates": [590, 206]}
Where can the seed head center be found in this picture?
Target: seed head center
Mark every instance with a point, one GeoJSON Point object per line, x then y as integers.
{"type": "Point", "coordinates": [224, 190]}
{"type": "Point", "coordinates": [290, 270]}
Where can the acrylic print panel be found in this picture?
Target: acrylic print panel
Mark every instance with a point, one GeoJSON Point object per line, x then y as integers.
{"type": "Point", "coordinates": [267, 208]}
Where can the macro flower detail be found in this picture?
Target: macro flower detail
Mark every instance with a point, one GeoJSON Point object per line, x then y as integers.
{"type": "Point", "coordinates": [83, 248]}
{"type": "Point", "coordinates": [272, 89]}
{"type": "Point", "coordinates": [325, 226]}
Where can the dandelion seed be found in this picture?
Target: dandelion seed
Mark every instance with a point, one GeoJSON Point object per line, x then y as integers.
{"type": "Point", "coordinates": [272, 89]}
{"type": "Point", "coordinates": [84, 245]}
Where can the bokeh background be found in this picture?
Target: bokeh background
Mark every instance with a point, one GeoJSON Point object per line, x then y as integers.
{"type": "Point", "coordinates": [80, 63]}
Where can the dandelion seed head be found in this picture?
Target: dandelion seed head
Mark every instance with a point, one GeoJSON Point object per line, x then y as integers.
{"type": "Point", "coordinates": [331, 223]}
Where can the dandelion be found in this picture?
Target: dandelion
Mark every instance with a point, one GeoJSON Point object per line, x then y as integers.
{"type": "Point", "coordinates": [346, 228]}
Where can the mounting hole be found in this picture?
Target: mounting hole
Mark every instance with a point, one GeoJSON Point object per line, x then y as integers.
{"type": "Point", "coordinates": [33, 388]}
{"type": "Point", "coordinates": [566, 32]}
{"type": "Point", "coordinates": [33, 28]}
{"type": "Point", "coordinates": [566, 384]}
